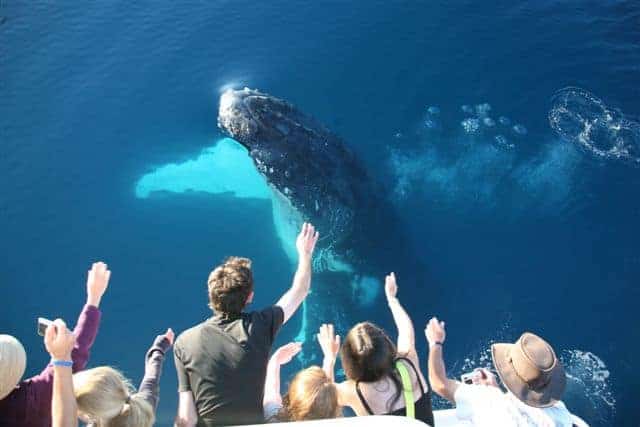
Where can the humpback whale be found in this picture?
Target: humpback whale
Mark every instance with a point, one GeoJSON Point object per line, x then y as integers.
{"type": "Point", "coordinates": [313, 171]}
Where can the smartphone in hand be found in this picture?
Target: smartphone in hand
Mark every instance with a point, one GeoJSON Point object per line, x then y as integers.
{"type": "Point", "coordinates": [43, 324]}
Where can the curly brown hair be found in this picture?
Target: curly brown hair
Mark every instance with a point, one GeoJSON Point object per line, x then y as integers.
{"type": "Point", "coordinates": [230, 284]}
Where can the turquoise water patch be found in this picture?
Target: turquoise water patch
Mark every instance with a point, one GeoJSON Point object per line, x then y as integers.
{"type": "Point", "coordinates": [224, 168]}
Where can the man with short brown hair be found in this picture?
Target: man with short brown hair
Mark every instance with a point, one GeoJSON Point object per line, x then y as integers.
{"type": "Point", "coordinates": [221, 363]}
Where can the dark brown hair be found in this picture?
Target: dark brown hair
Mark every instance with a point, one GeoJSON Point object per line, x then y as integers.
{"type": "Point", "coordinates": [311, 396]}
{"type": "Point", "coordinates": [230, 284]}
{"type": "Point", "coordinates": [369, 355]}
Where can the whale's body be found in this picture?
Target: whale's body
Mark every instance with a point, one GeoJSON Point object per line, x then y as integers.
{"type": "Point", "coordinates": [312, 169]}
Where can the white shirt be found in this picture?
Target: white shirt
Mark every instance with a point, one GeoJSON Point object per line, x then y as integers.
{"type": "Point", "coordinates": [482, 405]}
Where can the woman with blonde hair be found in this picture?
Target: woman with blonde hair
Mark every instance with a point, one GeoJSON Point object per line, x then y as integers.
{"type": "Point", "coordinates": [107, 399]}
{"type": "Point", "coordinates": [27, 403]}
{"type": "Point", "coordinates": [312, 394]}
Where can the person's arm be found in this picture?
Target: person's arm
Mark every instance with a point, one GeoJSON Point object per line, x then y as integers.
{"type": "Point", "coordinates": [187, 414]}
{"type": "Point", "coordinates": [330, 345]}
{"type": "Point", "coordinates": [272, 400]}
{"type": "Point", "coordinates": [406, 333]}
{"type": "Point", "coordinates": [442, 385]}
{"type": "Point", "coordinates": [150, 385]}
{"type": "Point", "coordinates": [89, 320]}
{"type": "Point", "coordinates": [291, 300]}
{"type": "Point", "coordinates": [59, 342]}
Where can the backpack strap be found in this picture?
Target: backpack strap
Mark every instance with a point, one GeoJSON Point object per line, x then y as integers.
{"type": "Point", "coordinates": [407, 390]}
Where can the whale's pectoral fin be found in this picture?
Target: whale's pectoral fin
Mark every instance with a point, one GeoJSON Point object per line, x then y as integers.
{"type": "Point", "coordinates": [223, 168]}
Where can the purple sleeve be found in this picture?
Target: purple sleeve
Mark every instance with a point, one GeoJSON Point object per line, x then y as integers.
{"type": "Point", "coordinates": [150, 386]}
{"type": "Point", "coordinates": [30, 403]}
{"type": "Point", "coordinates": [85, 332]}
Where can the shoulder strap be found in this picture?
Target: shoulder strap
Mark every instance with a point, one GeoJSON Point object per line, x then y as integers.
{"type": "Point", "coordinates": [415, 371]}
{"type": "Point", "coordinates": [407, 390]}
{"type": "Point", "coordinates": [362, 399]}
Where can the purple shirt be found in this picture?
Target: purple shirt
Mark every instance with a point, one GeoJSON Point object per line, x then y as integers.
{"type": "Point", "coordinates": [29, 405]}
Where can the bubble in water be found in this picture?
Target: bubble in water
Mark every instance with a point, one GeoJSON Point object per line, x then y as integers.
{"type": "Point", "coordinates": [467, 109]}
{"type": "Point", "coordinates": [428, 123]}
{"type": "Point", "coordinates": [488, 122]}
{"type": "Point", "coordinates": [580, 117]}
{"type": "Point", "coordinates": [433, 110]}
{"type": "Point", "coordinates": [483, 109]}
{"type": "Point", "coordinates": [470, 125]}
{"type": "Point", "coordinates": [504, 121]}
{"type": "Point", "coordinates": [519, 129]}
{"type": "Point", "coordinates": [503, 142]}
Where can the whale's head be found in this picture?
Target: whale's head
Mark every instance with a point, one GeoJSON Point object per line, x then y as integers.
{"type": "Point", "coordinates": [255, 119]}
{"type": "Point", "coordinates": [279, 138]}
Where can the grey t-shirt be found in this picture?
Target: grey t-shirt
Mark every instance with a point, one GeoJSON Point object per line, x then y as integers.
{"type": "Point", "coordinates": [223, 362]}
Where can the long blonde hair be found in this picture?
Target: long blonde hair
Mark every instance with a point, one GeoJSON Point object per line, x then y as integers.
{"type": "Point", "coordinates": [13, 361]}
{"type": "Point", "coordinates": [311, 396]}
{"type": "Point", "coordinates": [105, 396]}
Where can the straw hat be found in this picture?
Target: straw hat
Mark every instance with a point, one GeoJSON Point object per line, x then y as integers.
{"type": "Point", "coordinates": [13, 361]}
{"type": "Point", "coordinates": [530, 370]}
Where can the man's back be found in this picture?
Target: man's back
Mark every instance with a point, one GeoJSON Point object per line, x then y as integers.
{"type": "Point", "coordinates": [484, 405]}
{"type": "Point", "coordinates": [223, 363]}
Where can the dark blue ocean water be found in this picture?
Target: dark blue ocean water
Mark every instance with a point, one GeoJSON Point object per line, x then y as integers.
{"type": "Point", "coordinates": [540, 236]}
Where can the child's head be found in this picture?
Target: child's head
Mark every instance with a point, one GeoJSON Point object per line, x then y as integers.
{"type": "Point", "coordinates": [104, 397]}
{"type": "Point", "coordinates": [13, 361]}
{"type": "Point", "coordinates": [311, 396]}
{"type": "Point", "coordinates": [367, 354]}
{"type": "Point", "coordinates": [231, 286]}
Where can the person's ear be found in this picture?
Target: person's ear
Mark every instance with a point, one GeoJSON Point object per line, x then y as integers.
{"type": "Point", "coordinates": [249, 299]}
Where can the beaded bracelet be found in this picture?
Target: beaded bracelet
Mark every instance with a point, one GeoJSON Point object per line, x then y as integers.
{"type": "Point", "coordinates": [63, 363]}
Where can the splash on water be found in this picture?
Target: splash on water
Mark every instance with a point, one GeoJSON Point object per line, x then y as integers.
{"type": "Point", "coordinates": [580, 117]}
{"type": "Point", "coordinates": [588, 382]}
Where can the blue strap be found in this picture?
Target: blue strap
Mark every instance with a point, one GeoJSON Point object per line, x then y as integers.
{"type": "Point", "coordinates": [63, 363]}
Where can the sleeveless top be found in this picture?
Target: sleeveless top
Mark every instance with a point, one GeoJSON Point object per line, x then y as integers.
{"type": "Point", "coordinates": [423, 409]}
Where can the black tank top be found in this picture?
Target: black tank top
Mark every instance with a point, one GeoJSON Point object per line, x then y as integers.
{"type": "Point", "coordinates": [423, 409]}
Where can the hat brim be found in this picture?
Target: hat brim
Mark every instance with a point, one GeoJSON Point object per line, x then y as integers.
{"type": "Point", "coordinates": [543, 398]}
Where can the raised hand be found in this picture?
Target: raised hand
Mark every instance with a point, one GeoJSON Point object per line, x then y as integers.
{"type": "Point", "coordinates": [484, 377]}
{"type": "Point", "coordinates": [390, 286]}
{"type": "Point", "coordinates": [97, 282]}
{"type": "Point", "coordinates": [59, 341]}
{"type": "Point", "coordinates": [434, 331]}
{"type": "Point", "coordinates": [285, 353]}
{"type": "Point", "coordinates": [329, 342]}
{"type": "Point", "coordinates": [164, 341]}
{"type": "Point", "coordinates": [170, 335]}
{"type": "Point", "coordinates": [306, 241]}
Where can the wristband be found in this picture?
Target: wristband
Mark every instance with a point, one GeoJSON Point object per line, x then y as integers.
{"type": "Point", "coordinates": [63, 363]}
{"type": "Point", "coordinates": [440, 343]}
